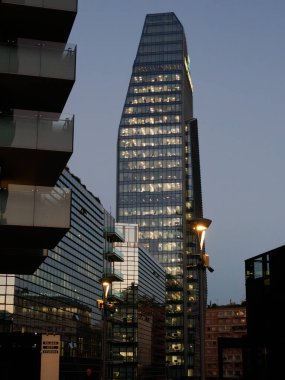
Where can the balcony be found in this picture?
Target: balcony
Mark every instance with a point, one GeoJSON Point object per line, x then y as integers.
{"type": "Point", "coordinates": [112, 234]}
{"type": "Point", "coordinates": [115, 338]}
{"type": "Point", "coordinates": [33, 217]}
{"type": "Point", "coordinates": [21, 261]}
{"type": "Point", "coordinates": [42, 142]}
{"type": "Point", "coordinates": [116, 318]}
{"type": "Point", "coordinates": [114, 254]}
{"type": "Point", "coordinates": [33, 18]}
{"type": "Point", "coordinates": [112, 275]}
{"type": "Point", "coordinates": [116, 296]}
{"type": "Point", "coordinates": [115, 359]}
{"type": "Point", "coordinates": [46, 69]}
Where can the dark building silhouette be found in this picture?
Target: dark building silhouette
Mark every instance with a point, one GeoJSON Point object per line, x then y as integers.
{"type": "Point", "coordinates": [20, 354]}
{"type": "Point", "coordinates": [158, 178]}
{"type": "Point", "coordinates": [264, 295]}
{"type": "Point", "coordinates": [37, 73]}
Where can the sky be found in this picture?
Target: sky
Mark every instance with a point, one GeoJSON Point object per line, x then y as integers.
{"type": "Point", "coordinates": [237, 57]}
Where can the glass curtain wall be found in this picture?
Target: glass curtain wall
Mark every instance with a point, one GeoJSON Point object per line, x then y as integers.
{"type": "Point", "coordinates": [158, 176]}
{"type": "Point", "coordinates": [60, 297]}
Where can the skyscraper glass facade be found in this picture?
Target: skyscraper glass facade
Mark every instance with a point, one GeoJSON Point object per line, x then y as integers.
{"type": "Point", "coordinates": [158, 177]}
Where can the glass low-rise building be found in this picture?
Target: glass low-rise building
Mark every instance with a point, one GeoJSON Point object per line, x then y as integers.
{"type": "Point", "coordinates": [60, 296]}
{"type": "Point", "coordinates": [138, 341]}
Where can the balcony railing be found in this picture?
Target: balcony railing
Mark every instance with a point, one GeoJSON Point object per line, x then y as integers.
{"type": "Point", "coordinates": [115, 359]}
{"type": "Point", "coordinates": [65, 5]}
{"type": "Point", "coordinates": [116, 295]}
{"type": "Point", "coordinates": [33, 216]}
{"type": "Point", "coordinates": [113, 254]}
{"type": "Point", "coordinates": [42, 142]}
{"type": "Point", "coordinates": [35, 130]}
{"type": "Point", "coordinates": [113, 234]}
{"type": "Point", "coordinates": [115, 338]}
{"type": "Point", "coordinates": [35, 206]}
{"type": "Point", "coordinates": [112, 275]}
{"type": "Point", "coordinates": [116, 318]}
{"type": "Point", "coordinates": [38, 58]}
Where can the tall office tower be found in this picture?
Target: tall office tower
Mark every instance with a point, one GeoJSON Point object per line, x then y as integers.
{"type": "Point", "coordinates": [158, 178]}
{"type": "Point", "coordinates": [37, 73]}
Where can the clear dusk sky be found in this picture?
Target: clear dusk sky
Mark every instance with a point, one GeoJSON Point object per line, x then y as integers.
{"type": "Point", "coordinates": [237, 52]}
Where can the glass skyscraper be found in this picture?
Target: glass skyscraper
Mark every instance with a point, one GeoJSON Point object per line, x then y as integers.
{"type": "Point", "coordinates": [158, 178]}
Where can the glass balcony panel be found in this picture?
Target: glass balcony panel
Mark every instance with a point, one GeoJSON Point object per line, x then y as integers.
{"type": "Point", "coordinates": [58, 61]}
{"type": "Point", "coordinates": [31, 130]}
{"type": "Point", "coordinates": [114, 254]}
{"type": "Point", "coordinates": [113, 234]}
{"type": "Point", "coordinates": [25, 59]}
{"type": "Point", "coordinates": [56, 134]}
{"type": "Point", "coordinates": [38, 58]}
{"type": "Point", "coordinates": [112, 275]}
{"type": "Point", "coordinates": [52, 207]}
{"type": "Point", "coordinates": [5, 52]}
{"type": "Point", "coordinates": [35, 206]}
{"type": "Point", "coordinates": [65, 5]}
{"type": "Point", "coordinates": [68, 5]}
{"type": "Point", "coordinates": [116, 294]}
{"type": "Point", "coordinates": [17, 207]}
{"type": "Point", "coordinates": [17, 132]}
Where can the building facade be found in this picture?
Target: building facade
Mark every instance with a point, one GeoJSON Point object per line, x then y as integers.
{"type": "Point", "coordinates": [264, 294]}
{"type": "Point", "coordinates": [37, 73]}
{"type": "Point", "coordinates": [225, 329]}
{"type": "Point", "coordinates": [158, 178]}
{"type": "Point", "coordinates": [60, 296]}
{"type": "Point", "coordinates": [139, 336]}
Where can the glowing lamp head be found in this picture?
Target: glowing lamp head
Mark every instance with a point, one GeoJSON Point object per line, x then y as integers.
{"type": "Point", "coordinates": [200, 226]}
{"type": "Point", "coordinates": [106, 287]}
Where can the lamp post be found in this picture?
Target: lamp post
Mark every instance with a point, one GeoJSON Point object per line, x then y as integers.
{"type": "Point", "coordinates": [106, 287]}
{"type": "Point", "coordinates": [199, 227]}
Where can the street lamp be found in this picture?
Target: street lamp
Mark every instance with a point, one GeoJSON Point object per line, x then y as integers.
{"type": "Point", "coordinates": [199, 226]}
{"type": "Point", "coordinates": [106, 287]}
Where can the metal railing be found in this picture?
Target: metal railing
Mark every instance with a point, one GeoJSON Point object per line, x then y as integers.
{"type": "Point", "coordinates": [37, 130]}
{"type": "Point", "coordinates": [38, 58]}
{"type": "Point", "coordinates": [35, 206]}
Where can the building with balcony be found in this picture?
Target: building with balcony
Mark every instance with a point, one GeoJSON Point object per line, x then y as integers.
{"type": "Point", "coordinates": [60, 296]}
{"type": "Point", "coordinates": [264, 295]}
{"type": "Point", "coordinates": [110, 298]}
{"type": "Point", "coordinates": [158, 179]}
{"type": "Point", "coordinates": [37, 73]}
{"type": "Point", "coordinates": [225, 336]}
{"type": "Point", "coordinates": [137, 343]}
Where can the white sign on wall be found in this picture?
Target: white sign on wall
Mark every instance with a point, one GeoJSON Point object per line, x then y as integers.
{"type": "Point", "coordinates": [50, 352]}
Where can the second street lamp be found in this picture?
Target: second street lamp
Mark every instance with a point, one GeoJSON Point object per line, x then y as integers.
{"type": "Point", "coordinates": [199, 227]}
{"type": "Point", "coordinates": [106, 288]}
